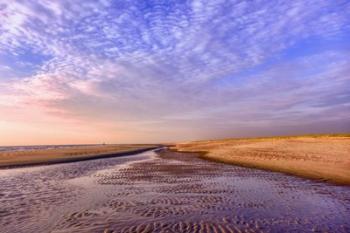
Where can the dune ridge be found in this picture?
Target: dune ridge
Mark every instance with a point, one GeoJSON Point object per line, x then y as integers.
{"type": "Point", "coordinates": [322, 157]}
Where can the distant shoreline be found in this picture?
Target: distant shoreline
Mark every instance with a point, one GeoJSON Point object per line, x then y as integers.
{"type": "Point", "coordinates": [39, 147]}
{"type": "Point", "coordinates": [321, 157]}
{"type": "Point", "coordinates": [17, 159]}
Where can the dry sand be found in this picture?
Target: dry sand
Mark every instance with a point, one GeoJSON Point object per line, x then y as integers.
{"type": "Point", "coordinates": [317, 157]}
{"type": "Point", "coordinates": [67, 154]}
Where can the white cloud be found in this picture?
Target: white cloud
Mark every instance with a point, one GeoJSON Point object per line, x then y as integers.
{"type": "Point", "coordinates": [127, 61]}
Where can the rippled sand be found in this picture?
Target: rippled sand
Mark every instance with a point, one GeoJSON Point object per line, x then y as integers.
{"type": "Point", "coordinates": [167, 192]}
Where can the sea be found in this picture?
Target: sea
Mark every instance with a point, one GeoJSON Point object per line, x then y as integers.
{"type": "Point", "coordinates": [36, 147]}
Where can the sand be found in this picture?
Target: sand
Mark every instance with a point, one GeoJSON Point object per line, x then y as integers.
{"type": "Point", "coordinates": [165, 192]}
{"type": "Point", "coordinates": [323, 157]}
{"type": "Point", "coordinates": [67, 154]}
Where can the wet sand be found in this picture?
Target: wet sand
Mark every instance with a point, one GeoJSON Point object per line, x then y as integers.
{"type": "Point", "coordinates": [324, 158]}
{"type": "Point", "coordinates": [20, 158]}
{"type": "Point", "coordinates": [166, 192]}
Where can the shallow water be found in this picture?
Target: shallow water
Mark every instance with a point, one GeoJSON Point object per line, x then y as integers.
{"type": "Point", "coordinates": [166, 192]}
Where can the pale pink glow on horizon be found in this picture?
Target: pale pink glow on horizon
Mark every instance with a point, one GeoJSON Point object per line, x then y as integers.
{"type": "Point", "coordinates": [78, 72]}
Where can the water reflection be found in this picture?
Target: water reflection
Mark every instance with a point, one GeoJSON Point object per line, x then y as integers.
{"type": "Point", "coordinates": [168, 192]}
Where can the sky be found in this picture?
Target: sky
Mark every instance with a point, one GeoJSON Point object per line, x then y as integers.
{"type": "Point", "coordinates": [127, 71]}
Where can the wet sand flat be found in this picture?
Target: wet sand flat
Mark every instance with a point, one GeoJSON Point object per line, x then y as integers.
{"type": "Point", "coordinates": [66, 154]}
{"type": "Point", "coordinates": [323, 157]}
{"type": "Point", "coordinates": [166, 192]}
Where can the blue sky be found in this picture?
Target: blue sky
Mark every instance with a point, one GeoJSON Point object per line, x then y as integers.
{"type": "Point", "coordinates": [145, 71]}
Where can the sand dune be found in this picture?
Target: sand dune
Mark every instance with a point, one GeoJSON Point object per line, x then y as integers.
{"type": "Point", "coordinates": [319, 157]}
{"type": "Point", "coordinates": [67, 154]}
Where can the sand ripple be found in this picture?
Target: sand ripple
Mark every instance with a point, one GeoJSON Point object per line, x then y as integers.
{"type": "Point", "coordinates": [170, 193]}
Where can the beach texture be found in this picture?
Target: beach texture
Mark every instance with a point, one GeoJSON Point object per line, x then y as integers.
{"type": "Point", "coordinates": [318, 157]}
{"type": "Point", "coordinates": [167, 192]}
{"type": "Point", "coordinates": [67, 154]}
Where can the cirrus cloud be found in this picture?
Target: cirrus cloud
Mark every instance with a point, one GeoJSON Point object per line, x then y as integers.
{"type": "Point", "coordinates": [175, 68]}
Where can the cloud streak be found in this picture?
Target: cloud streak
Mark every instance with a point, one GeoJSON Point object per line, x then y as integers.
{"type": "Point", "coordinates": [179, 69]}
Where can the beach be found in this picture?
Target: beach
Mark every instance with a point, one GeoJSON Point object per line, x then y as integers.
{"type": "Point", "coordinates": [63, 154]}
{"type": "Point", "coordinates": [324, 157]}
{"type": "Point", "coordinates": [163, 191]}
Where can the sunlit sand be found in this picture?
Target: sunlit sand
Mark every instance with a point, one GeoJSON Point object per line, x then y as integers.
{"type": "Point", "coordinates": [319, 157]}
{"type": "Point", "coordinates": [67, 154]}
